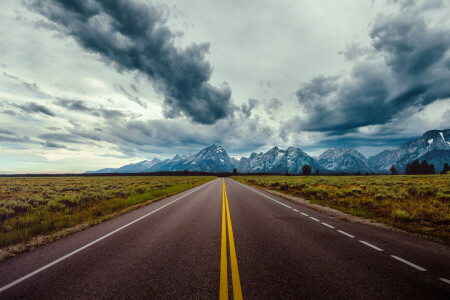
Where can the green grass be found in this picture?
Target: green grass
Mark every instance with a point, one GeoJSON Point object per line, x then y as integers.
{"type": "Point", "coordinates": [31, 207]}
{"type": "Point", "coordinates": [419, 204]}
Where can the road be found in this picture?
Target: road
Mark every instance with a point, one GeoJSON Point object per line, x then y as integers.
{"type": "Point", "coordinates": [225, 239]}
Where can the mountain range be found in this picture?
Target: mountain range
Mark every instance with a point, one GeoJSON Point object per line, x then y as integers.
{"type": "Point", "coordinates": [433, 146]}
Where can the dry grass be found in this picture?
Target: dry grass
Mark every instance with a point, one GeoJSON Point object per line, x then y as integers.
{"type": "Point", "coordinates": [35, 206]}
{"type": "Point", "coordinates": [419, 204]}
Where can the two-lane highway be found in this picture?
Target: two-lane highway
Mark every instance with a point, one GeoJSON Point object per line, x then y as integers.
{"type": "Point", "coordinates": [225, 239]}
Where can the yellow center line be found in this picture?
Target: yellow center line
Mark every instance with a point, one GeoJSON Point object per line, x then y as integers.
{"type": "Point", "coordinates": [223, 292]}
{"type": "Point", "coordinates": [237, 291]}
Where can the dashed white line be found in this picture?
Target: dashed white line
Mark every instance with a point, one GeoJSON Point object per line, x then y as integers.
{"type": "Point", "coordinates": [347, 234]}
{"type": "Point", "coordinates": [317, 220]}
{"type": "Point", "coordinates": [370, 245]}
{"type": "Point", "coordinates": [3, 288]}
{"type": "Point", "coordinates": [445, 280]}
{"type": "Point", "coordinates": [328, 225]}
{"type": "Point", "coordinates": [305, 214]}
{"type": "Point", "coordinates": [408, 263]}
{"type": "Point", "coordinates": [295, 210]}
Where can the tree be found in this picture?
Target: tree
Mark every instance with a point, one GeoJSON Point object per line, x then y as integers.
{"type": "Point", "coordinates": [446, 169]}
{"type": "Point", "coordinates": [287, 172]}
{"type": "Point", "coordinates": [393, 170]}
{"type": "Point", "coordinates": [186, 172]}
{"type": "Point", "coordinates": [416, 167]}
{"type": "Point", "coordinates": [317, 172]}
{"type": "Point", "coordinates": [306, 169]}
{"type": "Point", "coordinates": [234, 171]}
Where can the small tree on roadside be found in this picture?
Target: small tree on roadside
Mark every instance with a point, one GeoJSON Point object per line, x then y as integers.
{"type": "Point", "coordinates": [306, 169]}
{"type": "Point", "coordinates": [393, 170]}
{"type": "Point", "coordinates": [446, 169]}
{"type": "Point", "coordinates": [234, 171]}
{"type": "Point", "coordinates": [317, 172]}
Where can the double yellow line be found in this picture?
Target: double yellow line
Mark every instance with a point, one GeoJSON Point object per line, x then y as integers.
{"type": "Point", "coordinates": [223, 292]}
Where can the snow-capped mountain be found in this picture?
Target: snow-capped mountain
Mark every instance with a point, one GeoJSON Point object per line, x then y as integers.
{"type": "Point", "coordinates": [131, 168]}
{"type": "Point", "coordinates": [277, 160]}
{"type": "Point", "coordinates": [210, 159]}
{"type": "Point", "coordinates": [344, 160]}
{"type": "Point", "coordinates": [433, 146]}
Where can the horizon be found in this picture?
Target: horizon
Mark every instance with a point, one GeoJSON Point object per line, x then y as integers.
{"type": "Point", "coordinates": [84, 87]}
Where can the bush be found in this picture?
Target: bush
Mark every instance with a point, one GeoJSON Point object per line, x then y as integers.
{"type": "Point", "coordinates": [444, 197]}
{"type": "Point", "coordinates": [55, 206]}
{"type": "Point", "coordinates": [5, 213]}
{"type": "Point", "coordinates": [401, 216]}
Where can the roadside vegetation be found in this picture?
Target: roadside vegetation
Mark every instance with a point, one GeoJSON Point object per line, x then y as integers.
{"type": "Point", "coordinates": [33, 206]}
{"type": "Point", "coordinates": [419, 204]}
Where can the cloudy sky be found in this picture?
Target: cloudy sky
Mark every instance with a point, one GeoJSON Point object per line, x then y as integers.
{"type": "Point", "coordinates": [88, 84]}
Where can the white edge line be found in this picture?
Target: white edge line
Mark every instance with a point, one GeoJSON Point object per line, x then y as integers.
{"type": "Point", "coordinates": [347, 234]}
{"type": "Point", "coordinates": [408, 263]}
{"type": "Point", "coordinates": [295, 210]}
{"type": "Point", "coordinates": [305, 214]}
{"type": "Point", "coordinates": [263, 194]}
{"type": "Point", "coordinates": [445, 280]}
{"type": "Point", "coordinates": [317, 220]}
{"type": "Point", "coordinates": [92, 243]}
{"type": "Point", "coordinates": [328, 225]}
{"type": "Point", "coordinates": [370, 245]}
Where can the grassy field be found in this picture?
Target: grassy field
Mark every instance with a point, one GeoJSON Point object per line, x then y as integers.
{"type": "Point", "coordinates": [419, 204]}
{"type": "Point", "coordinates": [33, 206]}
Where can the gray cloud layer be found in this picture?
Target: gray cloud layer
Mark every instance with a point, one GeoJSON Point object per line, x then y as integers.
{"type": "Point", "coordinates": [407, 66]}
{"type": "Point", "coordinates": [133, 36]}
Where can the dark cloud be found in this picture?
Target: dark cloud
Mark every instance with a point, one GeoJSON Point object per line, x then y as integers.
{"type": "Point", "coordinates": [60, 137]}
{"type": "Point", "coordinates": [133, 36]}
{"type": "Point", "coordinates": [49, 144]}
{"type": "Point", "coordinates": [413, 74]}
{"type": "Point", "coordinates": [247, 108]}
{"type": "Point", "coordinates": [6, 132]}
{"type": "Point", "coordinates": [15, 139]}
{"type": "Point", "coordinates": [80, 106]}
{"type": "Point", "coordinates": [32, 107]}
{"type": "Point", "coordinates": [52, 128]}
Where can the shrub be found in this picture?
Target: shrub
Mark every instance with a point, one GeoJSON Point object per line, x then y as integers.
{"type": "Point", "coordinates": [444, 197]}
{"type": "Point", "coordinates": [401, 216]}
{"type": "Point", "coordinates": [55, 206]}
{"type": "Point", "coordinates": [5, 213]}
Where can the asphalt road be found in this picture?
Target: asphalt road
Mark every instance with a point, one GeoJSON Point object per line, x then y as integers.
{"type": "Point", "coordinates": [237, 242]}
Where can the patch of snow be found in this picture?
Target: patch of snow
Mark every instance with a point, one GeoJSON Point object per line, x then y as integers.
{"type": "Point", "coordinates": [430, 141]}
{"type": "Point", "coordinates": [442, 136]}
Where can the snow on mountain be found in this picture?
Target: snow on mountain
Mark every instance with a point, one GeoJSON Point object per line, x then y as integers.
{"type": "Point", "coordinates": [433, 146]}
{"type": "Point", "coordinates": [277, 160]}
{"type": "Point", "coordinates": [344, 160]}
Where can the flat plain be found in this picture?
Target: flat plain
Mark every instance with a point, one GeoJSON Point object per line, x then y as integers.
{"type": "Point", "coordinates": [418, 204]}
{"type": "Point", "coordinates": [35, 206]}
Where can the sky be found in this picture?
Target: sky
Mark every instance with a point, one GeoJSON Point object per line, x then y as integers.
{"type": "Point", "coordinates": [91, 84]}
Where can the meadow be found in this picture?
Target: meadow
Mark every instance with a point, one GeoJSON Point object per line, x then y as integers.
{"type": "Point", "coordinates": [35, 206]}
{"type": "Point", "coordinates": [419, 204]}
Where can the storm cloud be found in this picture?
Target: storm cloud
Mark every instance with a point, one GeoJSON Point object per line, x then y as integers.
{"type": "Point", "coordinates": [133, 36]}
{"type": "Point", "coordinates": [32, 107]}
{"type": "Point", "coordinates": [407, 67]}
